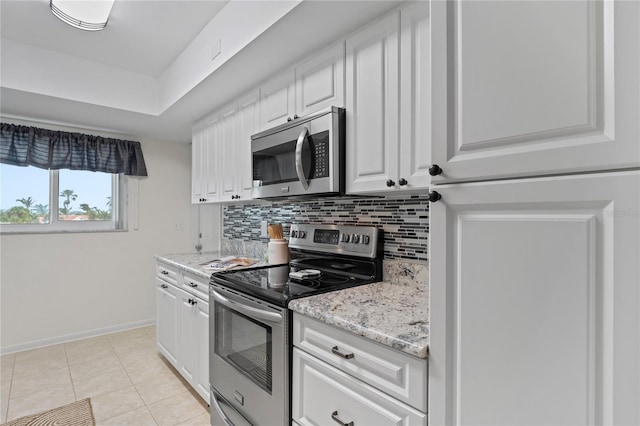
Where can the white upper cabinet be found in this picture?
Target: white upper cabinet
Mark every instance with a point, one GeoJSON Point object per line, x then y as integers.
{"type": "Point", "coordinates": [198, 154]}
{"type": "Point", "coordinates": [534, 301]}
{"type": "Point", "coordinates": [222, 153]}
{"type": "Point", "coordinates": [314, 84]}
{"type": "Point", "coordinates": [320, 81]}
{"type": "Point", "coordinates": [204, 161]}
{"type": "Point", "coordinates": [248, 120]}
{"type": "Point", "coordinates": [415, 97]}
{"type": "Point", "coordinates": [388, 103]}
{"type": "Point", "coordinates": [372, 146]}
{"type": "Point", "coordinates": [229, 141]}
{"type": "Point", "coordinates": [277, 100]}
{"type": "Point", "coordinates": [534, 87]}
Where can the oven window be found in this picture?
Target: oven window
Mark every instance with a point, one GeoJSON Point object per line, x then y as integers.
{"type": "Point", "coordinates": [245, 344]}
{"type": "Point", "coordinates": [278, 164]}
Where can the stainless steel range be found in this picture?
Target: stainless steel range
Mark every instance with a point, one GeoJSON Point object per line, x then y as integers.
{"type": "Point", "coordinates": [250, 325]}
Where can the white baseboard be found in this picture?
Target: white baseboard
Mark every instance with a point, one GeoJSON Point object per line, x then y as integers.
{"type": "Point", "coordinates": [76, 336]}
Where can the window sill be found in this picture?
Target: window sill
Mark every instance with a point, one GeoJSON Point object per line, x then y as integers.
{"type": "Point", "coordinates": [60, 231]}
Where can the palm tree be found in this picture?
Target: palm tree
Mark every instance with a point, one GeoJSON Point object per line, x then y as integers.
{"type": "Point", "coordinates": [41, 209]}
{"type": "Point", "coordinates": [27, 202]}
{"type": "Point", "coordinates": [69, 196]}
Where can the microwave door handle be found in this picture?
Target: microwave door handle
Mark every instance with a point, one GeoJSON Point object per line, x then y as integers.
{"type": "Point", "coordinates": [248, 310]}
{"type": "Point", "coordinates": [299, 169]}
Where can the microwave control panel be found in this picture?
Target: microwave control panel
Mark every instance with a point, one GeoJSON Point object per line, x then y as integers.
{"type": "Point", "coordinates": [320, 148]}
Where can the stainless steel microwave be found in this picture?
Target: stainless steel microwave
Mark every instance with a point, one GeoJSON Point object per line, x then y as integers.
{"type": "Point", "coordinates": [302, 157]}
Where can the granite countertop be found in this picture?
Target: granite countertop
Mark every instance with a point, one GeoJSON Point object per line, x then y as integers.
{"type": "Point", "coordinates": [386, 312]}
{"type": "Point", "coordinates": [194, 262]}
{"type": "Point", "coordinates": [394, 312]}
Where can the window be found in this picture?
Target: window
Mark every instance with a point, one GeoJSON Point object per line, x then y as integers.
{"type": "Point", "coordinates": [38, 200]}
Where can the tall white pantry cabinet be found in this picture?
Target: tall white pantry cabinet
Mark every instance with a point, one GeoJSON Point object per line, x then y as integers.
{"type": "Point", "coordinates": [534, 244]}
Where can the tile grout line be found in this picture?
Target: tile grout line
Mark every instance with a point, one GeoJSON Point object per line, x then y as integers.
{"type": "Point", "coordinates": [73, 388]}
{"type": "Point", "coordinates": [132, 384]}
{"type": "Point", "coordinates": [13, 366]}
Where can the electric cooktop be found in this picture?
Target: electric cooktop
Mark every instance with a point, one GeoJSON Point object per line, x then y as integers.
{"type": "Point", "coordinates": [324, 258]}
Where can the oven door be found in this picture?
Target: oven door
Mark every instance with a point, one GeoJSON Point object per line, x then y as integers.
{"type": "Point", "coordinates": [298, 159]}
{"type": "Point", "coordinates": [248, 357]}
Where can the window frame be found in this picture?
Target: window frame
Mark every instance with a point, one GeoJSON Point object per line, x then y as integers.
{"type": "Point", "coordinates": [117, 223]}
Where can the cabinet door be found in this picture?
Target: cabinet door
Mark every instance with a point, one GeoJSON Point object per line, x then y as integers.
{"type": "Point", "coordinates": [248, 123]}
{"type": "Point", "coordinates": [201, 382]}
{"type": "Point", "coordinates": [277, 100]}
{"type": "Point", "coordinates": [212, 161]}
{"type": "Point", "coordinates": [372, 107]}
{"type": "Point", "coordinates": [227, 170]}
{"type": "Point", "coordinates": [320, 81]}
{"type": "Point", "coordinates": [167, 305]}
{"type": "Point", "coordinates": [415, 98]}
{"type": "Point", "coordinates": [534, 301]}
{"type": "Point", "coordinates": [534, 87]}
{"type": "Point", "coordinates": [198, 147]}
{"type": "Point", "coordinates": [187, 336]}
{"type": "Point", "coordinates": [322, 394]}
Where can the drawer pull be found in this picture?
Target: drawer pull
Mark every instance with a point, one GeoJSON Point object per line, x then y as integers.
{"type": "Point", "coordinates": [193, 285]}
{"type": "Point", "coordinates": [337, 352]}
{"type": "Point", "coordinates": [336, 419]}
{"type": "Point", "coordinates": [164, 286]}
{"type": "Point", "coordinates": [165, 272]}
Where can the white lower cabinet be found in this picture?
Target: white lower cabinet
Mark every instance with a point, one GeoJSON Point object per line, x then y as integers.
{"type": "Point", "coordinates": [182, 326]}
{"type": "Point", "coordinates": [167, 298]}
{"type": "Point", "coordinates": [343, 378]}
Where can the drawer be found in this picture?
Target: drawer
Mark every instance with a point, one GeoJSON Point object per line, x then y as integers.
{"type": "Point", "coordinates": [324, 395]}
{"type": "Point", "coordinates": [393, 372]}
{"type": "Point", "coordinates": [167, 273]}
{"type": "Point", "coordinates": [196, 285]}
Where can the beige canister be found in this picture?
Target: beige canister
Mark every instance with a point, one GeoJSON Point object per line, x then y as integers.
{"type": "Point", "coordinates": [278, 252]}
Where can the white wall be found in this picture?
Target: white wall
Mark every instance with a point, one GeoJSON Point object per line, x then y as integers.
{"type": "Point", "coordinates": [56, 287]}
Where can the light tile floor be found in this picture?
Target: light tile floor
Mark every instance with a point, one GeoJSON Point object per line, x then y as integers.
{"type": "Point", "coordinates": [128, 381]}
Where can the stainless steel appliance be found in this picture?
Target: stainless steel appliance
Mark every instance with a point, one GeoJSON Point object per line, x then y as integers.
{"type": "Point", "coordinates": [302, 157]}
{"type": "Point", "coordinates": [250, 324]}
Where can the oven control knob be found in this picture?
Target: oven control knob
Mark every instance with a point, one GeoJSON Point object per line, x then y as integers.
{"type": "Point", "coordinates": [294, 234]}
{"type": "Point", "coordinates": [355, 238]}
{"type": "Point", "coordinates": [345, 237]}
{"type": "Point", "coordinates": [302, 234]}
{"type": "Point", "coordinates": [365, 239]}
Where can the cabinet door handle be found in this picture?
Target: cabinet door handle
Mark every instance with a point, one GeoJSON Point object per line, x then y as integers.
{"type": "Point", "coordinates": [164, 272]}
{"type": "Point", "coordinates": [336, 419]}
{"type": "Point", "coordinates": [337, 352]}
{"type": "Point", "coordinates": [193, 285]}
{"type": "Point", "coordinates": [194, 302]}
{"type": "Point", "coordinates": [402, 182]}
{"type": "Point", "coordinates": [434, 196]}
{"type": "Point", "coordinates": [164, 286]}
{"type": "Point", "coordinates": [435, 170]}
{"type": "Point", "coordinates": [390, 183]}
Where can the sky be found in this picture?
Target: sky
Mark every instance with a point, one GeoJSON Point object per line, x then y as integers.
{"type": "Point", "coordinates": [22, 182]}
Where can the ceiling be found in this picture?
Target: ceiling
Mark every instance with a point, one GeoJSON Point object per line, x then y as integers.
{"type": "Point", "coordinates": [142, 36]}
{"type": "Point", "coordinates": [146, 38]}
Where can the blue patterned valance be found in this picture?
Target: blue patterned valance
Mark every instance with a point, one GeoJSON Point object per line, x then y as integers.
{"type": "Point", "coordinates": [52, 149]}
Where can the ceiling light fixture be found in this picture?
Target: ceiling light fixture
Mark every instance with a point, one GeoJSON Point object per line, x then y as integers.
{"type": "Point", "coordinates": [89, 15]}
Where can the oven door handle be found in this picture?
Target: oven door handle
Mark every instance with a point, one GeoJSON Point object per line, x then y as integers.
{"type": "Point", "coordinates": [216, 401]}
{"type": "Point", "coordinates": [299, 169]}
{"type": "Point", "coordinates": [248, 310]}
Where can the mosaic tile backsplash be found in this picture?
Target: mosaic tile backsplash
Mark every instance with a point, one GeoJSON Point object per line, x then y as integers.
{"type": "Point", "coordinates": [405, 220]}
